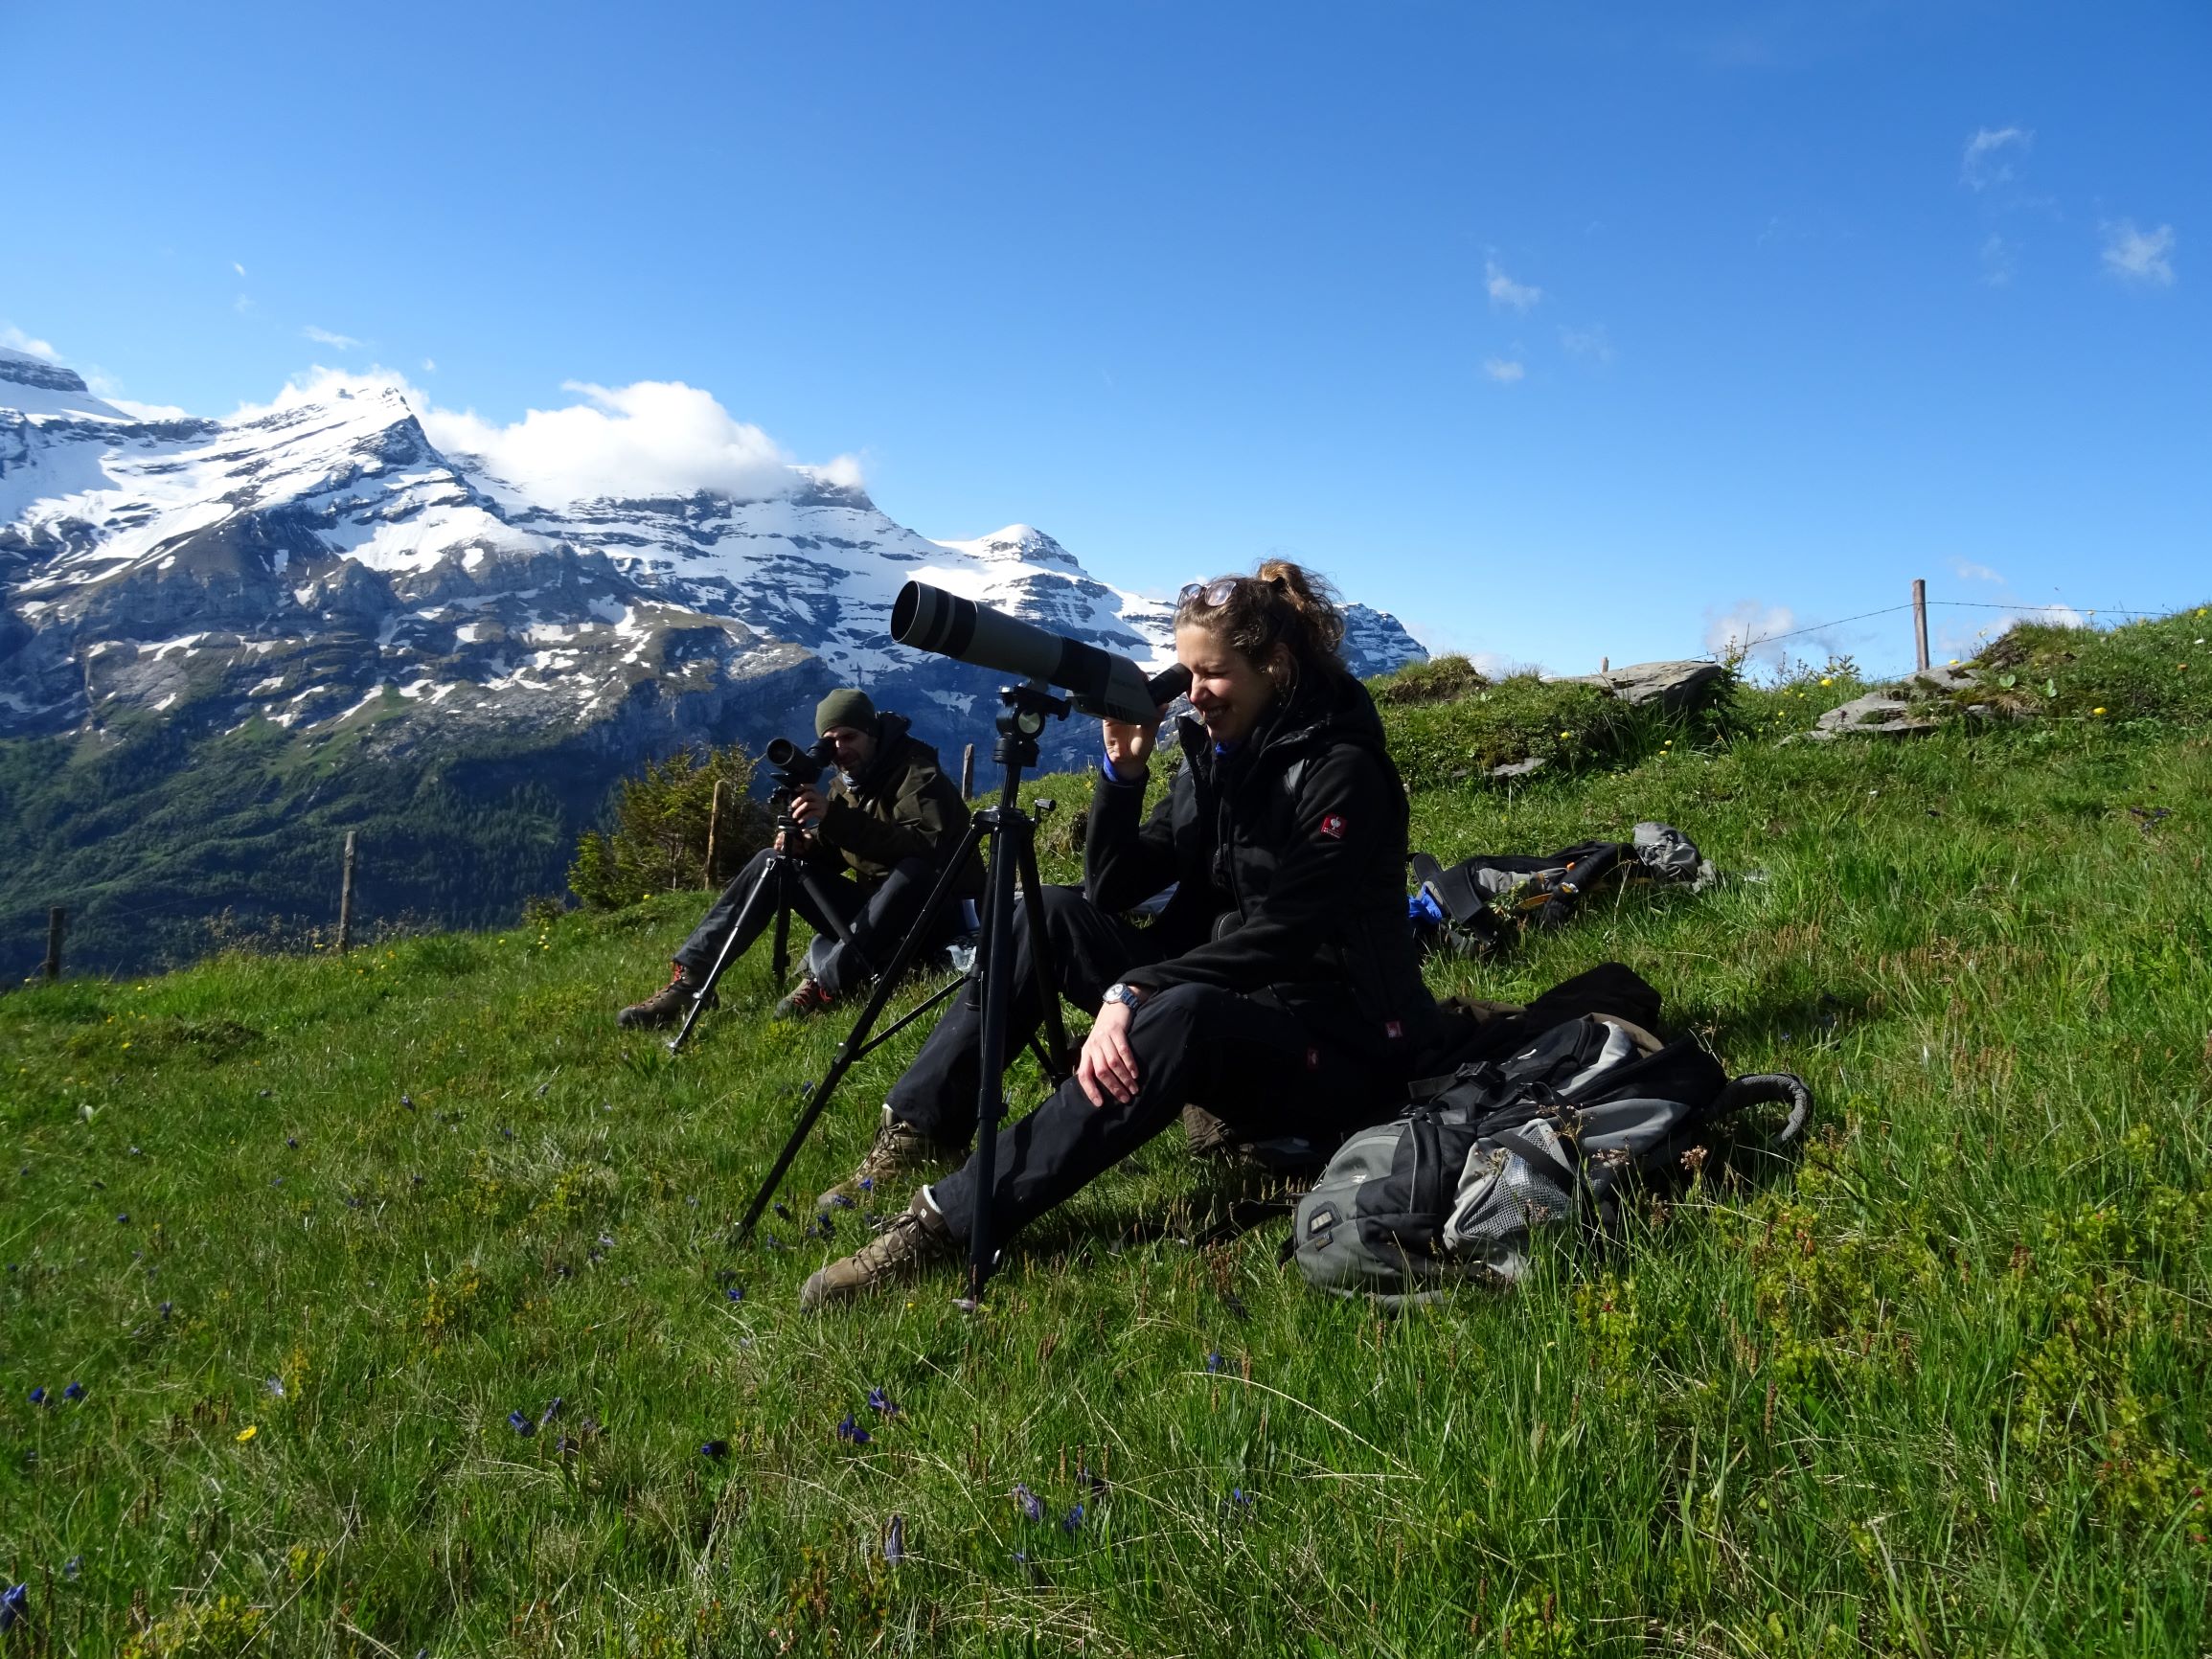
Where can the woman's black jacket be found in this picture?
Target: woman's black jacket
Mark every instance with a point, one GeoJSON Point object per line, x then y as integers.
{"type": "Point", "coordinates": [1289, 860]}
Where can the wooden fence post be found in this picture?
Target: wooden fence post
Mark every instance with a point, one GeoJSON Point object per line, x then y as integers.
{"type": "Point", "coordinates": [968, 774]}
{"type": "Point", "coordinates": [714, 828]}
{"type": "Point", "coordinates": [56, 919]}
{"type": "Point", "coordinates": [1920, 624]}
{"type": "Point", "coordinates": [346, 901]}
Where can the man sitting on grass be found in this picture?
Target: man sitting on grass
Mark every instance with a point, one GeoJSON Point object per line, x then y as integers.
{"type": "Point", "coordinates": [890, 819]}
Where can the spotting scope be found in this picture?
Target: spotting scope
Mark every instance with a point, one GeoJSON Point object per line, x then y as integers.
{"type": "Point", "coordinates": [1097, 682]}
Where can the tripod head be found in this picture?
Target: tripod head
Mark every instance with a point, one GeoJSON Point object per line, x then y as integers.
{"type": "Point", "coordinates": [1022, 714]}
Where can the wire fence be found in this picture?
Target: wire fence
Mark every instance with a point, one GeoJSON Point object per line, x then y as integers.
{"type": "Point", "coordinates": [1757, 639]}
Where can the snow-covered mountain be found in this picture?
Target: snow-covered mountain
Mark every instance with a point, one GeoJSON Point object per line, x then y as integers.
{"type": "Point", "coordinates": [319, 563]}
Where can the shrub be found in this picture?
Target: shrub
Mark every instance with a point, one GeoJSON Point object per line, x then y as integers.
{"type": "Point", "coordinates": [659, 840]}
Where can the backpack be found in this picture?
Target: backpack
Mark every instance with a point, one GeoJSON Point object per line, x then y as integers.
{"type": "Point", "coordinates": [1456, 1189]}
{"type": "Point", "coordinates": [1476, 907]}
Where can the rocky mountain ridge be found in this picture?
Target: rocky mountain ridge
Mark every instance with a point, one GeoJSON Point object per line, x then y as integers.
{"type": "Point", "coordinates": [320, 564]}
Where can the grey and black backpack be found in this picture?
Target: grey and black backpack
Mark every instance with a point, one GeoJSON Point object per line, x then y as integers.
{"type": "Point", "coordinates": [1457, 1188]}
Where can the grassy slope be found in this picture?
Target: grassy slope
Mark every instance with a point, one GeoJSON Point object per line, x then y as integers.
{"type": "Point", "coordinates": [1938, 1389]}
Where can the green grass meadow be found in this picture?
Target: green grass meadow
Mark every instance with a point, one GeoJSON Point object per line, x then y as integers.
{"type": "Point", "coordinates": [308, 1230]}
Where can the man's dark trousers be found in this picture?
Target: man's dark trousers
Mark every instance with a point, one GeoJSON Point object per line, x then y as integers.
{"type": "Point", "coordinates": [1249, 1063]}
{"type": "Point", "coordinates": [876, 914]}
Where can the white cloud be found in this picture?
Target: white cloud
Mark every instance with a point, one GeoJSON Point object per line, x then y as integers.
{"type": "Point", "coordinates": [242, 303]}
{"type": "Point", "coordinates": [1747, 629]}
{"type": "Point", "coordinates": [324, 338]}
{"type": "Point", "coordinates": [18, 340]}
{"type": "Point", "coordinates": [2140, 255]}
{"type": "Point", "coordinates": [1966, 570]}
{"type": "Point", "coordinates": [1504, 292]}
{"type": "Point", "coordinates": [1503, 370]}
{"type": "Point", "coordinates": [654, 437]}
{"type": "Point", "coordinates": [1990, 154]}
{"type": "Point", "coordinates": [1592, 344]}
{"type": "Point", "coordinates": [236, 266]}
{"type": "Point", "coordinates": [430, 366]}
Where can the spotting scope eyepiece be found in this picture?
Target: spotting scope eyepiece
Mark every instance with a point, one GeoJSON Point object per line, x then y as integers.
{"type": "Point", "coordinates": [1097, 682]}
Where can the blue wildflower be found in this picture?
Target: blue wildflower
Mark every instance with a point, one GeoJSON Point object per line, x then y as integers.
{"type": "Point", "coordinates": [894, 1540]}
{"type": "Point", "coordinates": [1032, 1506]}
{"type": "Point", "coordinates": [39, 1395]}
{"type": "Point", "coordinates": [75, 1391]}
{"type": "Point", "coordinates": [13, 1606]}
{"type": "Point", "coordinates": [506, 1133]}
{"type": "Point", "coordinates": [1214, 1360]}
{"type": "Point", "coordinates": [783, 1208]}
{"type": "Point", "coordinates": [276, 1387]}
{"type": "Point", "coordinates": [716, 1448]}
{"type": "Point", "coordinates": [1071, 1523]}
{"type": "Point", "coordinates": [1240, 1498]}
{"type": "Point", "coordinates": [882, 1402]}
{"type": "Point", "coordinates": [867, 1183]}
{"type": "Point", "coordinates": [166, 1309]}
{"type": "Point", "coordinates": [123, 1217]}
{"type": "Point", "coordinates": [735, 1293]}
{"type": "Point", "coordinates": [849, 1430]}
{"type": "Point", "coordinates": [520, 1424]}
{"type": "Point", "coordinates": [293, 1141]}
{"type": "Point", "coordinates": [136, 1153]}
{"type": "Point", "coordinates": [840, 1201]}
{"type": "Point", "coordinates": [407, 1100]}
{"type": "Point", "coordinates": [541, 1089]}
{"type": "Point", "coordinates": [73, 1566]}
{"type": "Point", "coordinates": [552, 1410]}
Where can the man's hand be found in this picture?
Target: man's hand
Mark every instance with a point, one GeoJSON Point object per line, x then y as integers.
{"type": "Point", "coordinates": [1129, 748]}
{"type": "Point", "coordinates": [809, 807]}
{"type": "Point", "coordinates": [1109, 1065]}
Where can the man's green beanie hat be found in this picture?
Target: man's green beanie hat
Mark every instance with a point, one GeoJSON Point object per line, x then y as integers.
{"type": "Point", "coordinates": [846, 706]}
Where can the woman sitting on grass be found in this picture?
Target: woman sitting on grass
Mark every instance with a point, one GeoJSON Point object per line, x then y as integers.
{"type": "Point", "coordinates": [1279, 989]}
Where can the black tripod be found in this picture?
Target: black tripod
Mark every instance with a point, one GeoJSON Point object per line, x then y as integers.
{"type": "Point", "coordinates": [783, 871]}
{"type": "Point", "coordinates": [989, 984]}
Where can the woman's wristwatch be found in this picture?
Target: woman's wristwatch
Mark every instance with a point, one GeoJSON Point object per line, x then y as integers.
{"type": "Point", "coordinates": [1128, 995]}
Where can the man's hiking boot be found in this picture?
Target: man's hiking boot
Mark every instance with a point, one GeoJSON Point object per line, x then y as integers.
{"type": "Point", "coordinates": [902, 1151]}
{"type": "Point", "coordinates": [917, 1241]}
{"type": "Point", "coordinates": [666, 1006]}
{"type": "Point", "coordinates": [810, 997]}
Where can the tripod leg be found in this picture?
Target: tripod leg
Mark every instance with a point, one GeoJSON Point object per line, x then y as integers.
{"type": "Point", "coordinates": [769, 888]}
{"type": "Point", "coordinates": [839, 925]}
{"type": "Point", "coordinates": [780, 961]}
{"type": "Point", "coordinates": [857, 1040]}
{"type": "Point", "coordinates": [1056, 1053]}
{"type": "Point", "coordinates": [997, 956]}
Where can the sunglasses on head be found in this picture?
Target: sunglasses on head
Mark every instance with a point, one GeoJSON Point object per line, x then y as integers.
{"type": "Point", "coordinates": [1216, 593]}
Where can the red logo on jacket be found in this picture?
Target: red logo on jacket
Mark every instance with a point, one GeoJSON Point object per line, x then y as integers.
{"type": "Point", "coordinates": [1333, 826]}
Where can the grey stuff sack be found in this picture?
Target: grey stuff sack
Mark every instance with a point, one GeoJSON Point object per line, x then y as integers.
{"type": "Point", "coordinates": [1459, 1189]}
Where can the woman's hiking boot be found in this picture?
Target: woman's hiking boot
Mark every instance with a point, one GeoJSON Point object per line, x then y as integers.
{"type": "Point", "coordinates": [917, 1241]}
{"type": "Point", "coordinates": [666, 1006]}
{"type": "Point", "coordinates": [901, 1153]}
{"type": "Point", "coordinates": [809, 997]}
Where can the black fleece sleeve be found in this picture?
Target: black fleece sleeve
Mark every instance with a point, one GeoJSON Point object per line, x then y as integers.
{"type": "Point", "coordinates": [1346, 821]}
{"type": "Point", "coordinates": [1125, 862]}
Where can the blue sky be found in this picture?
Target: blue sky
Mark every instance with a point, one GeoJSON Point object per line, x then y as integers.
{"type": "Point", "coordinates": [1559, 330]}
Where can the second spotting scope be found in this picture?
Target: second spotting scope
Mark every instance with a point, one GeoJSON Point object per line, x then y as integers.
{"type": "Point", "coordinates": [1097, 682]}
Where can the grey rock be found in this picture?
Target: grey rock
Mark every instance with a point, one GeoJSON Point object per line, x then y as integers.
{"type": "Point", "coordinates": [1519, 768]}
{"type": "Point", "coordinates": [1872, 715]}
{"type": "Point", "coordinates": [1943, 677]}
{"type": "Point", "coordinates": [1673, 685]}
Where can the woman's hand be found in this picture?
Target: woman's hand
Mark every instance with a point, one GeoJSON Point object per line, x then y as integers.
{"type": "Point", "coordinates": [1109, 1065]}
{"type": "Point", "coordinates": [1129, 748]}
